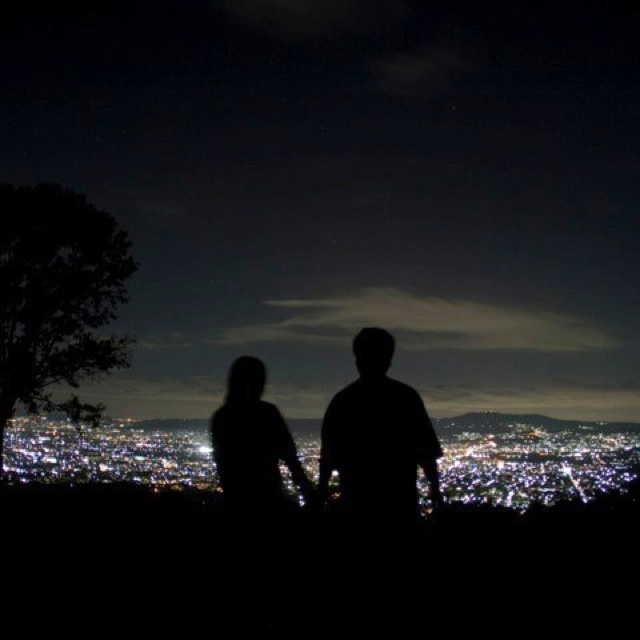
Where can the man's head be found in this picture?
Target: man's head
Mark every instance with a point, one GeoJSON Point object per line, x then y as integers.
{"type": "Point", "coordinates": [373, 349]}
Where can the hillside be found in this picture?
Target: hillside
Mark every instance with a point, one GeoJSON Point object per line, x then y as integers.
{"type": "Point", "coordinates": [167, 559]}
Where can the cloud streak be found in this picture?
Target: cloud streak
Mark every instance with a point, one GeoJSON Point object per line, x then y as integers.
{"type": "Point", "coordinates": [199, 396]}
{"type": "Point", "coordinates": [423, 323]}
{"type": "Point", "coordinates": [169, 340]}
{"type": "Point", "coordinates": [194, 397]}
{"type": "Point", "coordinates": [146, 398]}
{"type": "Point", "coordinates": [422, 72]}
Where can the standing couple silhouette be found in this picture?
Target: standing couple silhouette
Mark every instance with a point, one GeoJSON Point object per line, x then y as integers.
{"type": "Point", "coordinates": [376, 432]}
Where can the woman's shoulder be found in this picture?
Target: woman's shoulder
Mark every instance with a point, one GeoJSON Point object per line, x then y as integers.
{"type": "Point", "coordinates": [219, 412]}
{"type": "Point", "coordinates": [261, 411]}
{"type": "Point", "coordinates": [261, 407]}
{"type": "Point", "coordinates": [217, 418]}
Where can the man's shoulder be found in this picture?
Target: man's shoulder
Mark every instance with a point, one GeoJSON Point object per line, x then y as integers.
{"type": "Point", "coordinates": [389, 385]}
{"type": "Point", "coordinates": [343, 398]}
{"type": "Point", "coordinates": [390, 391]}
{"type": "Point", "coordinates": [347, 392]}
{"type": "Point", "coordinates": [401, 388]}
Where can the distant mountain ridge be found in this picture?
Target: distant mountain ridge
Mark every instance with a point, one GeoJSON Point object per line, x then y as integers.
{"type": "Point", "coordinates": [486, 421]}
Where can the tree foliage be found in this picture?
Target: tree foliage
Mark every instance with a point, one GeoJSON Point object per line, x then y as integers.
{"type": "Point", "coordinates": [63, 267]}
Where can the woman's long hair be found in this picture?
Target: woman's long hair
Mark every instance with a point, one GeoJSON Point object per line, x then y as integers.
{"type": "Point", "coordinates": [246, 380]}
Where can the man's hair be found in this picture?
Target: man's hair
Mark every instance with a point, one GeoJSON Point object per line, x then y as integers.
{"type": "Point", "coordinates": [374, 342]}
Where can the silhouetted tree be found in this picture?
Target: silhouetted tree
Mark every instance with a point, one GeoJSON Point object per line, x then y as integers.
{"type": "Point", "coordinates": [63, 265]}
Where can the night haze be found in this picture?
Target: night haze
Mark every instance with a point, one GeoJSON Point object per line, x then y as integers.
{"type": "Point", "coordinates": [290, 171]}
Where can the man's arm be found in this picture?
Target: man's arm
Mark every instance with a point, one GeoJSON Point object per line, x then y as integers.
{"type": "Point", "coordinates": [429, 451]}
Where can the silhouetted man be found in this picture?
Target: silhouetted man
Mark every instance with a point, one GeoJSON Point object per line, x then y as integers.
{"type": "Point", "coordinates": [375, 433]}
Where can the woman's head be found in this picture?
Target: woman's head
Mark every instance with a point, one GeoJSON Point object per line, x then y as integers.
{"type": "Point", "coordinates": [246, 380]}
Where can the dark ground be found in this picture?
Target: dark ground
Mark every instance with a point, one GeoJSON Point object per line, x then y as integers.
{"type": "Point", "coordinates": [123, 559]}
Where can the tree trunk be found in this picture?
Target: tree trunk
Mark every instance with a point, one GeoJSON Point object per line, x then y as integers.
{"type": "Point", "coordinates": [3, 424]}
{"type": "Point", "coordinates": [6, 412]}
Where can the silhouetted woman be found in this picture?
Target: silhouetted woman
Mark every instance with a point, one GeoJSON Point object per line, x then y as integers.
{"type": "Point", "coordinates": [250, 438]}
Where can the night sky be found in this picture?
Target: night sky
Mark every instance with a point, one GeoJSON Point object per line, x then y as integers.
{"type": "Point", "coordinates": [464, 174]}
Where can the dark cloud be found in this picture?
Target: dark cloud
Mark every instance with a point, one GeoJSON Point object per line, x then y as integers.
{"type": "Point", "coordinates": [429, 323]}
{"type": "Point", "coordinates": [423, 72]}
{"type": "Point", "coordinates": [170, 340]}
{"type": "Point", "coordinates": [302, 19]}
